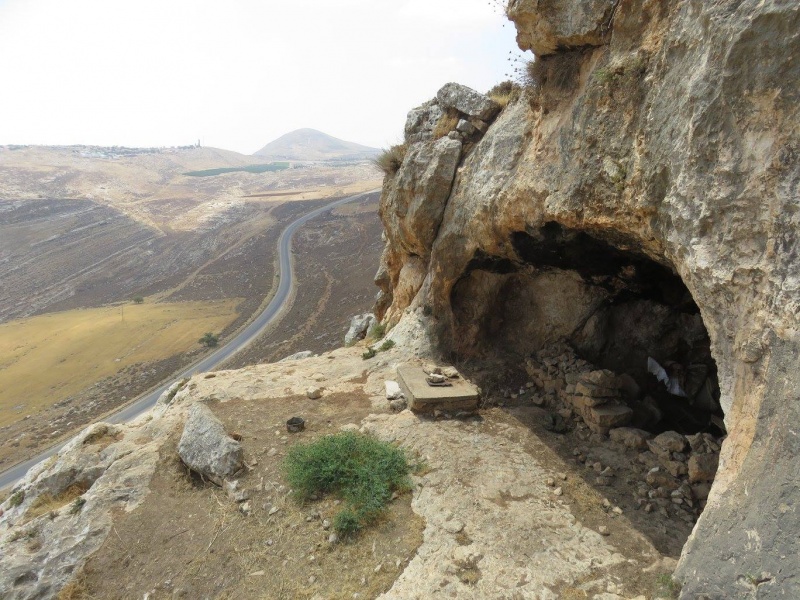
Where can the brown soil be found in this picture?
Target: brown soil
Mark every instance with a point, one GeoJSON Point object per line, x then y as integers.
{"type": "Point", "coordinates": [194, 542]}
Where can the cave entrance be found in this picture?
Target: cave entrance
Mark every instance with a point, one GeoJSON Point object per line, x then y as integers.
{"type": "Point", "coordinates": [612, 308]}
{"type": "Point", "coordinates": [592, 340]}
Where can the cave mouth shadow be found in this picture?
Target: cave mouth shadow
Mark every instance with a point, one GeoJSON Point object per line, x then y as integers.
{"type": "Point", "coordinates": [528, 328]}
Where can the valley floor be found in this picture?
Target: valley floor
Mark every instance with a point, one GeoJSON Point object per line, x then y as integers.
{"type": "Point", "coordinates": [334, 257]}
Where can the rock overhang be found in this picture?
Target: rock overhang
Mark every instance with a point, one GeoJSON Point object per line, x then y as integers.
{"type": "Point", "coordinates": [685, 156]}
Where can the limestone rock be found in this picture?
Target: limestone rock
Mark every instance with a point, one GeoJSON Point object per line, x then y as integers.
{"type": "Point", "coordinates": [546, 28]}
{"type": "Point", "coordinates": [114, 468]}
{"type": "Point", "coordinates": [206, 448]}
{"type": "Point", "coordinates": [359, 326]}
{"type": "Point", "coordinates": [415, 198]}
{"type": "Point", "coordinates": [421, 122]}
{"type": "Point", "coordinates": [630, 437]}
{"type": "Point", "coordinates": [703, 467]}
{"type": "Point", "coordinates": [664, 444]}
{"type": "Point", "coordinates": [465, 127]}
{"type": "Point", "coordinates": [672, 134]}
{"type": "Point", "coordinates": [298, 356]}
{"type": "Point", "coordinates": [393, 391]}
{"type": "Point", "coordinates": [467, 101]}
{"type": "Point", "coordinates": [601, 419]}
{"type": "Point", "coordinates": [314, 393]}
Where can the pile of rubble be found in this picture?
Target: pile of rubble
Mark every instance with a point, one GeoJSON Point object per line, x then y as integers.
{"type": "Point", "coordinates": [595, 403]}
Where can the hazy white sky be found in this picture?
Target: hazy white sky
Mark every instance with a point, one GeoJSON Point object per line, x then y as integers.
{"type": "Point", "coordinates": [235, 73]}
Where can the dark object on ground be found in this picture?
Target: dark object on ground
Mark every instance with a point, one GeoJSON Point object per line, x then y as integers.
{"type": "Point", "coordinates": [295, 425]}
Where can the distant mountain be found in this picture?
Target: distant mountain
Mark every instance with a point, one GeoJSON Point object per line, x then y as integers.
{"type": "Point", "coordinates": [310, 144]}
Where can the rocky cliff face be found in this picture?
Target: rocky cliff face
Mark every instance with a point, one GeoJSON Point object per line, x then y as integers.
{"type": "Point", "coordinates": [653, 164]}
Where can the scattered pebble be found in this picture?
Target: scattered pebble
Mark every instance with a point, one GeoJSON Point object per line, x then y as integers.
{"type": "Point", "coordinates": [603, 530]}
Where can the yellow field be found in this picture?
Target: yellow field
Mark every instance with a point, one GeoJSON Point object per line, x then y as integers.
{"type": "Point", "coordinates": [47, 358]}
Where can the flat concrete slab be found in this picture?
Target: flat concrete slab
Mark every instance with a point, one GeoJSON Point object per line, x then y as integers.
{"type": "Point", "coordinates": [460, 396]}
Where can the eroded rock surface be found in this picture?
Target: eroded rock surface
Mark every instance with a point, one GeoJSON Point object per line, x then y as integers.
{"type": "Point", "coordinates": [661, 142]}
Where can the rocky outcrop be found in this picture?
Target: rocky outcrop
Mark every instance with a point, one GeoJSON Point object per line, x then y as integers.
{"type": "Point", "coordinates": [359, 326]}
{"type": "Point", "coordinates": [62, 511]}
{"type": "Point", "coordinates": [656, 156]}
{"type": "Point", "coordinates": [547, 28]}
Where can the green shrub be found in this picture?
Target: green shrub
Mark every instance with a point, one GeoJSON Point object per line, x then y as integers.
{"type": "Point", "coordinates": [377, 331]}
{"type": "Point", "coordinates": [138, 300]}
{"type": "Point", "coordinates": [390, 160]}
{"type": "Point", "coordinates": [361, 470]}
{"type": "Point", "coordinates": [368, 353]}
{"type": "Point", "coordinates": [386, 345]}
{"type": "Point", "coordinates": [16, 499]}
{"type": "Point", "coordinates": [666, 587]}
{"type": "Point", "coordinates": [209, 340]}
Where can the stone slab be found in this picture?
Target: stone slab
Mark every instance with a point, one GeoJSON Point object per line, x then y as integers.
{"type": "Point", "coordinates": [461, 396]}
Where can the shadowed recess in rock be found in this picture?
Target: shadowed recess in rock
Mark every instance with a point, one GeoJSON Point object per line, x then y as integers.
{"type": "Point", "coordinates": [617, 308]}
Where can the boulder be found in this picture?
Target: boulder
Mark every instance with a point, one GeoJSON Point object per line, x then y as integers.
{"type": "Point", "coordinates": [601, 419]}
{"type": "Point", "coordinates": [465, 127]}
{"type": "Point", "coordinates": [206, 448]}
{"type": "Point", "coordinates": [359, 326]}
{"type": "Point", "coordinates": [467, 101]}
{"type": "Point", "coordinates": [630, 437]}
{"type": "Point", "coordinates": [393, 391]}
{"type": "Point", "coordinates": [664, 444]}
{"type": "Point", "coordinates": [314, 393]}
{"type": "Point", "coordinates": [703, 467]}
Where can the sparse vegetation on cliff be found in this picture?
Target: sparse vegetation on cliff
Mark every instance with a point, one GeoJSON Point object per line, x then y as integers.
{"type": "Point", "coordinates": [446, 123]}
{"type": "Point", "coordinates": [504, 93]}
{"type": "Point", "coordinates": [389, 160]}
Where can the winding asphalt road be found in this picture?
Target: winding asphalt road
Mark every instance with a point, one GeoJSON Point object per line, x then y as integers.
{"type": "Point", "coordinates": [245, 337]}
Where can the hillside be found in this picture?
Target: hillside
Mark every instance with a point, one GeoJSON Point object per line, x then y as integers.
{"type": "Point", "coordinates": [313, 145]}
{"type": "Point", "coordinates": [588, 300]}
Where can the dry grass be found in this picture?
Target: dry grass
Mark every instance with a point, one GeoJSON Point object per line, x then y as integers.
{"type": "Point", "coordinates": [390, 160]}
{"type": "Point", "coordinates": [505, 93]}
{"type": "Point", "coordinates": [446, 123]}
{"type": "Point", "coordinates": [47, 503]}
{"type": "Point", "coordinates": [50, 357]}
{"type": "Point", "coordinates": [74, 590]}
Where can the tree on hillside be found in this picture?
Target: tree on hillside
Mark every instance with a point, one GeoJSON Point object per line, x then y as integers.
{"type": "Point", "coordinates": [209, 340]}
